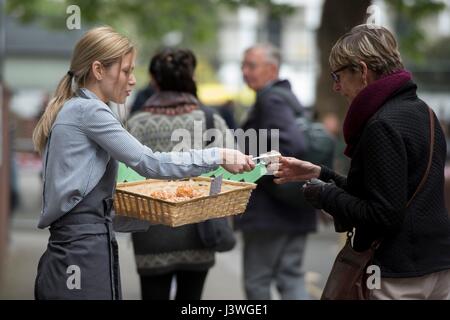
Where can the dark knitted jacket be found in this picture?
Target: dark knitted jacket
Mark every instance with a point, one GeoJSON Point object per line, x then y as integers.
{"type": "Point", "coordinates": [388, 164]}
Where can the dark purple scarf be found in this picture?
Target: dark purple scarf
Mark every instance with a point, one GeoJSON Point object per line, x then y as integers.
{"type": "Point", "coordinates": [367, 103]}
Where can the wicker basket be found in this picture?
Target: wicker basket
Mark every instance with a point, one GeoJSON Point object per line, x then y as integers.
{"type": "Point", "coordinates": [136, 205]}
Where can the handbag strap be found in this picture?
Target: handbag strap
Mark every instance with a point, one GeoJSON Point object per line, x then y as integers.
{"type": "Point", "coordinates": [377, 243]}
{"type": "Point", "coordinates": [430, 157]}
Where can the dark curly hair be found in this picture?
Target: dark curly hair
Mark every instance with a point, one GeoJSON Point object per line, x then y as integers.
{"type": "Point", "coordinates": [173, 70]}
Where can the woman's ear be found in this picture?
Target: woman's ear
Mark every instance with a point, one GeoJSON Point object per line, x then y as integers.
{"type": "Point", "coordinates": [364, 72]}
{"type": "Point", "coordinates": [97, 70]}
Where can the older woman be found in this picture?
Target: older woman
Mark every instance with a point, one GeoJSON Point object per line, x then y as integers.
{"type": "Point", "coordinates": [387, 132]}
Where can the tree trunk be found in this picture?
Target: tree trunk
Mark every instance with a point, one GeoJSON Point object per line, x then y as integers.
{"type": "Point", "coordinates": [338, 17]}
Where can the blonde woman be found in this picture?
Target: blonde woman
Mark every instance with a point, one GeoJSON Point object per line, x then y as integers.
{"type": "Point", "coordinates": [388, 134]}
{"type": "Point", "coordinates": [81, 141]}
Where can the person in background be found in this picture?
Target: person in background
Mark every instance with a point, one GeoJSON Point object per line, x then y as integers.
{"type": "Point", "coordinates": [274, 232]}
{"type": "Point", "coordinates": [166, 255]}
{"type": "Point", "coordinates": [333, 125]}
{"type": "Point", "coordinates": [226, 110]}
{"type": "Point", "coordinates": [142, 96]}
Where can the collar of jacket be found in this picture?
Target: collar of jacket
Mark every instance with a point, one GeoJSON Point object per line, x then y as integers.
{"type": "Point", "coordinates": [167, 99]}
{"type": "Point", "coordinates": [86, 93]}
{"type": "Point", "coordinates": [270, 84]}
{"type": "Point", "coordinates": [367, 103]}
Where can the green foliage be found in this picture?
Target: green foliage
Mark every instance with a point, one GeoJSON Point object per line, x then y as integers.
{"type": "Point", "coordinates": [416, 9]}
{"type": "Point", "coordinates": [145, 21]}
{"type": "Point", "coordinates": [440, 50]}
{"type": "Point", "coordinates": [436, 62]}
{"type": "Point", "coordinates": [276, 10]}
{"type": "Point", "coordinates": [148, 20]}
{"type": "Point", "coordinates": [409, 14]}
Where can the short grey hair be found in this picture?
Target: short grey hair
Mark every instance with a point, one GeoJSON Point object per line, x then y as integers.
{"type": "Point", "coordinates": [376, 46]}
{"type": "Point", "coordinates": [273, 54]}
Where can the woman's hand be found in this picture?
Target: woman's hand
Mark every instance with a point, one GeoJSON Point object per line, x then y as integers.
{"type": "Point", "coordinates": [235, 161]}
{"type": "Point", "coordinates": [292, 169]}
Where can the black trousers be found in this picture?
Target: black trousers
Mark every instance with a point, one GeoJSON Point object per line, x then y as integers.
{"type": "Point", "coordinates": [189, 285]}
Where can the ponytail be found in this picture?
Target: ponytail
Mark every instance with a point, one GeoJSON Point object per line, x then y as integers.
{"type": "Point", "coordinates": [99, 44]}
{"type": "Point", "coordinates": [63, 93]}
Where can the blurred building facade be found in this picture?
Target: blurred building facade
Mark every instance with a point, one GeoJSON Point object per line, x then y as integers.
{"type": "Point", "coordinates": [294, 35]}
{"type": "Point", "coordinates": [433, 76]}
{"type": "Point", "coordinates": [36, 59]}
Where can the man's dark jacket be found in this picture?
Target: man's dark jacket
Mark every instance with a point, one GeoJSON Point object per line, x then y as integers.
{"type": "Point", "coordinates": [264, 211]}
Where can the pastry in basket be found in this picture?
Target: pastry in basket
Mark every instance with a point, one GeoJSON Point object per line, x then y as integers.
{"type": "Point", "coordinates": [182, 193]}
{"type": "Point", "coordinates": [160, 194]}
{"type": "Point", "coordinates": [187, 191]}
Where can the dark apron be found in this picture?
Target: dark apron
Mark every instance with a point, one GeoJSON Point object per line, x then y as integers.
{"type": "Point", "coordinates": [81, 260]}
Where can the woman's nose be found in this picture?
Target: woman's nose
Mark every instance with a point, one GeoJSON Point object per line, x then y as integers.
{"type": "Point", "coordinates": [132, 80]}
{"type": "Point", "coordinates": [336, 86]}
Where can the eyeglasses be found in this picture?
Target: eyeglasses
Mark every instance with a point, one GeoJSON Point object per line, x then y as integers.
{"type": "Point", "coordinates": [251, 65]}
{"type": "Point", "coordinates": [334, 74]}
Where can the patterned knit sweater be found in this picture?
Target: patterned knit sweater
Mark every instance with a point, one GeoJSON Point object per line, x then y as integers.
{"type": "Point", "coordinates": [164, 249]}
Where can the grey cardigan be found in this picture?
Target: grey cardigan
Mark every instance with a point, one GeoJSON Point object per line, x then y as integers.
{"type": "Point", "coordinates": [84, 137]}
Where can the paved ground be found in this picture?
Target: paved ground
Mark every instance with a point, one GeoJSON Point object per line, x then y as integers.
{"type": "Point", "coordinates": [27, 243]}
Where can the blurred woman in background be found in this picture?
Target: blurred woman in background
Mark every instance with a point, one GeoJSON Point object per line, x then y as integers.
{"type": "Point", "coordinates": [164, 254]}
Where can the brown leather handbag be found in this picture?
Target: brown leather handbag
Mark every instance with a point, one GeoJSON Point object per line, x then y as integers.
{"type": "Point", "coordinates": [347, 279]}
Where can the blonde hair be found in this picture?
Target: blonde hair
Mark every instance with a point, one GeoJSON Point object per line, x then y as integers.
{"type": "Point", "coordinates": [101, 44]}
{"type": "Point", "coordinates": [373, 44]}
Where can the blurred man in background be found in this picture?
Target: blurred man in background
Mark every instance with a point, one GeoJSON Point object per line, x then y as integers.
{"type": "Point", "coordinates": [274, 232]}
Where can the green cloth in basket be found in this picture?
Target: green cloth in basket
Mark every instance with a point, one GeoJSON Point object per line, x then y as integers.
{"type": "Point", "coordinates": [126, 174]}
{"type": "Point", "coordinates": [251, 176]}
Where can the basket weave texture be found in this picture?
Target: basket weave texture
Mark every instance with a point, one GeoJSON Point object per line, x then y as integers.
{"type": "Point", "coordinates": [133, 204]}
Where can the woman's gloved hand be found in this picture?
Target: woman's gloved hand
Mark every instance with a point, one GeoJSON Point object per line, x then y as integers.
{"type": "Point", "coordinates": [312, 190]}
